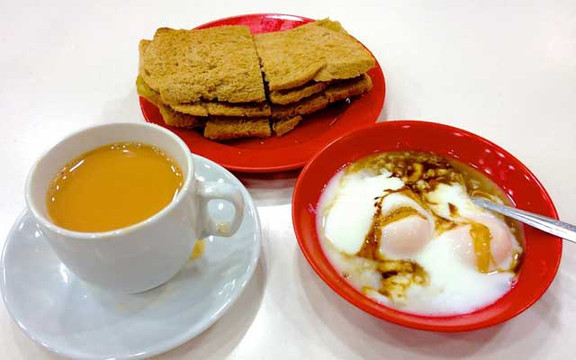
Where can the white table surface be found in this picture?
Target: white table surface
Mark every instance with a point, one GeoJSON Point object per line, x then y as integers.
{"type": "Point", "coordinates": [505, 70]}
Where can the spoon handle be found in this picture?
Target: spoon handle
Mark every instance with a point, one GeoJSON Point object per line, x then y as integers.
{"type": "Point", "coordinates": [555, 227]}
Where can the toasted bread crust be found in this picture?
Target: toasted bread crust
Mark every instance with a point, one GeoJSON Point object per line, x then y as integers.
{"type": "Point", "coordinates": [331, 24]}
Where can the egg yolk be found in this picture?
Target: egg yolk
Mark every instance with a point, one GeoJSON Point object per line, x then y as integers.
{"type": "Point", "coordinates": [485, 242]}
{"type": "Point", "coordinates": [400, 229]}
{"type": "Point", "coordinates": [405, 237]}
{"type": "Point", "coordinates": [501, 239]}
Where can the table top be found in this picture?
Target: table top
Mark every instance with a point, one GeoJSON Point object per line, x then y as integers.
{"type": "Point", "coordinates": [502, 69]}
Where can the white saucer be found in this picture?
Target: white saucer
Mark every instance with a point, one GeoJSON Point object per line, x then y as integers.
{"type": "Point", "coordinates": [74, 319]}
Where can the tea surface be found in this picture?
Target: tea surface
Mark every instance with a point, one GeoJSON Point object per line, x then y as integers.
{"type": "Point", "coordinates": [112, 187]}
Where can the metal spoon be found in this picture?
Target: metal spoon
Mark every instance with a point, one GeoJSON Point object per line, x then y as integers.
{"type": "Point", "coordinates": [555, 227]}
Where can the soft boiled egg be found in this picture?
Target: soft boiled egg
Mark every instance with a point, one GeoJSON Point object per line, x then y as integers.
{"type": "Point", "coordinates": [406, 227]}
{"type": "Point", "coordinates": [429, 251]}
{"type": "Point", "coordinates": [351, 208]}
{"type": "Point", "coordinates": [484, 240]}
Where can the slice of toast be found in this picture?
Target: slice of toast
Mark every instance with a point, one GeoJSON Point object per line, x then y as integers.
{"type": "Point", "coordinates": [335, 92]}
{"type": "Point", "coordinates": [142, 46]}
{"type": "Point", "coordinates": [174, 118]}
{"type": "Point", "coordinates": [146, 91]}
{"type": "Point", "coordinates": [224, 109]}
{"type": "Point", "coordinates": [204, 108]}
{"type": "Point", "coordinates": [331, 25]}
{"type": "Point", "coordinates": [227, 128]}
{"type": "Point", "coordinates": [223, 128]}
{"type": "Point", "coordinates": [349, 88]}
{"type": "Point", "coordinates": [303, 107]}
{"type": "Point", "coordinates": [215, 64]}
{"type": "Point", "coordinates": [284, 97]}
{"type": "Point", "coordinates": [311, 52]}
{"type": "Point", "coordinates": [171, 117]}
{"type": "Point", "coordinates": [283, 126]}
{"type": "Point", "coordinates": [180, 65]}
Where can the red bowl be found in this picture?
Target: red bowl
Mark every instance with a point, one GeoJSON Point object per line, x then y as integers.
{"type": "Point", "coordinates": [542, 252]}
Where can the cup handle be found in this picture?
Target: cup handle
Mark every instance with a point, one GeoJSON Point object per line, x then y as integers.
{"type": "Point", "coordinates": [219, 191]}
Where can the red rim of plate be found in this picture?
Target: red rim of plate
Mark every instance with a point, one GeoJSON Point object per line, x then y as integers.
{"type": "Point", "coordinates": [294, 149]}
{"type": "Point", "coordinates": [542, 251]}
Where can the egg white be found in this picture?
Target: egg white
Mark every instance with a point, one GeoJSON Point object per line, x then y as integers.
{"type": "Point", "coordinates": [455, 287]}
{"type": "Point", "coordinates": [350, 201]}
{"type": "Point", "coordinates": [503, 246]}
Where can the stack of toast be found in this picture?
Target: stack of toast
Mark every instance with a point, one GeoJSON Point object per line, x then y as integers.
{"type": "Point", "coordinates": [231, 84]}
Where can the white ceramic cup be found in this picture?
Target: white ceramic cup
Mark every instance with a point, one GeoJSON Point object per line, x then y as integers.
{"type": "Point", "coordinates": [149, 253]}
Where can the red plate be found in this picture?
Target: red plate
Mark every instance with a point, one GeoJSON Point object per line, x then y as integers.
{"type": "Point", "coordinates": [542, 251]}
{"type": "Point", "coordinates": [294, 149]}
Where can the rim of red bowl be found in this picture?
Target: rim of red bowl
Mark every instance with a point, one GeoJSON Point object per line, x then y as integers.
{"type": "Point", "coordinates": [542, 251]}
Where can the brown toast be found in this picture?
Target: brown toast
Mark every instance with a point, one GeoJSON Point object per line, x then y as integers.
{"type": "Point", "coordinates": [218, 128]}
{"type": "Point", "coordinates": [212, 78]}
{"type": "Point", "coordinates": [283, 126]}
{"type": "Point", "coordinates": [227, 128]}
{"type": "Point", "coordinates": [224, 128]}
{"type": "Point", "coordinates": [203, 108]}
{"type": "Point", "coordinates": [333, 93]}
{"type": "Point", "coordinates": [146, 91]}
{"type": "Point", "coordinates": [224, 125]}
{"type": "Point", "coordinates": [304, 107]}
{"type": "Point", "coordinates": [331, 25]}
{"type": "Point", "coordinates": [349, 88]}
{"type": "Point", "coordinates": [174, 118]}
{"type": "Point", "coordinates": [215, 108]}
{"type": "Point", "coordinates": [311, 52]}
{"type": "Point", "coordinates": [284, 97]}
{"type": "Point", "coordinates": [142, 46]}
{"type": "Point", "coordinates": [215, 64]}
{"type": "Point", "coordinates": [171, 117]}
